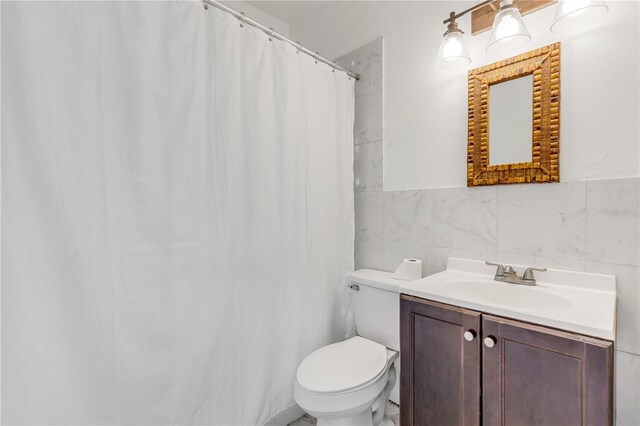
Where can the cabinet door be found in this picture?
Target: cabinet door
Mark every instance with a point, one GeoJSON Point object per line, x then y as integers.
{"type": "Point", "coordinates": [440, 369]}
{"type": "Point", "coordinates": [534, 375]}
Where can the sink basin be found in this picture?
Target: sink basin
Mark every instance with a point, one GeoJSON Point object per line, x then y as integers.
{"type": "Point", "coordinates": [580, 302]}
{"type": "Point", "coordinates": [516, 296]}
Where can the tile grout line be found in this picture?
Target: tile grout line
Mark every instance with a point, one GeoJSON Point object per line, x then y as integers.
{"type": "Point", "coordinates": [628, 353]}
{"type": "Point", "coordinates": [355, 145]}
{"type": "Point", "coordinates": [367, 92]}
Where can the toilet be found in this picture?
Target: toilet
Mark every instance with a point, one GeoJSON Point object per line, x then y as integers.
{"type": "Point", "coordinates": [349, 382]}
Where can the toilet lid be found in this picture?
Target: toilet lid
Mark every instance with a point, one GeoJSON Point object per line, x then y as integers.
{"type": "Point", "coordinates": [342, 366]}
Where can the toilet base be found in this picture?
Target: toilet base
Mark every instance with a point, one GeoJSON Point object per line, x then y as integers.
{"type": "Point", "coordinates": [387, 422]}
{"type": "Point", "coordinates": [363, 418]}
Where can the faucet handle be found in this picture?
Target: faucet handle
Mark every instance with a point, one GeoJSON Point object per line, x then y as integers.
{"type": "Point", "coordinates": [499, 271]}
{"type": "Point", "coordinates": [528, 273]}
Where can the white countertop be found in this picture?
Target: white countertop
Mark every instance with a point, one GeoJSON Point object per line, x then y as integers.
{"type": "Point", "coordinates": [579, 302]}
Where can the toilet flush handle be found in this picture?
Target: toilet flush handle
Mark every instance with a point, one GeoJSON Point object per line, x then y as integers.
{"type": "Point", "coordinates": [354, 287]}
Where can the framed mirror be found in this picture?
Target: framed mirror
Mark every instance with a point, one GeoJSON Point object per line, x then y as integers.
{"type": "Point", "coordinates": [514, 120]}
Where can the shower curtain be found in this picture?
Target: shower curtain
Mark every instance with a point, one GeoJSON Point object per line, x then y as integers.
{"type": "Point", "coordinates": [177, 213]}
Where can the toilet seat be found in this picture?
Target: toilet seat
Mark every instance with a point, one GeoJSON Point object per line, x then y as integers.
{"type": "Point", "coordinates": [342, 367]}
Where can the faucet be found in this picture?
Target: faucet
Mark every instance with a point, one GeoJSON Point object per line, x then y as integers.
{"type": "Point", "coordinates": [507, 274]}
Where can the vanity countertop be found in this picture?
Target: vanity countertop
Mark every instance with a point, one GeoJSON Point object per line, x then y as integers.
{"type": "Point", "coordinates": [579, 302]}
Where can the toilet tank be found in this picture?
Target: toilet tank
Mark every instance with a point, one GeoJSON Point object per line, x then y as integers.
{"type": "Point", "coordinates": [376, 306]}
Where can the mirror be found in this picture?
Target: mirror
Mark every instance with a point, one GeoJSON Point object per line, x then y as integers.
{"type": "Point", "coordinates": [510, 121]}
{"type": "Point", "coordinates": [514, 120]}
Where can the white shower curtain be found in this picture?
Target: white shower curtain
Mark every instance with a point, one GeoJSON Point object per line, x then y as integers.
{"type": "Point", "coordinates": [177, 212]}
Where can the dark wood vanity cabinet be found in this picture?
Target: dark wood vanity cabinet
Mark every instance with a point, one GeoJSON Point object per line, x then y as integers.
{"type": "Point", "coordinates": [503, 372]}
{"type": "Point", "coordinates": [535, 375]}
{"type": "Point", "coordinates": [440, 370]}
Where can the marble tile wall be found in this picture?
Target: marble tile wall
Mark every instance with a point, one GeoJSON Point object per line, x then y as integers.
{"type": "Point", "coordinates": [591, 226]}
{"type": "Point", "coordinates": [368, 134]}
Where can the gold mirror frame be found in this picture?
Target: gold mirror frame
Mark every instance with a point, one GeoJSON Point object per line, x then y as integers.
{"type": "Point", "coordinates": [544, 65]}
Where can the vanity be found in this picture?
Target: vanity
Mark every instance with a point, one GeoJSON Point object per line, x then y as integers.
{"type": "Point", "coordinates": [480, 351]}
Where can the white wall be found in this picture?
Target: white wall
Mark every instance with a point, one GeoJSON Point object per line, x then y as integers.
{"type": "Point", "coordinates": [425, 112]}
{"type": "Point", "coordinates": [260, 16]}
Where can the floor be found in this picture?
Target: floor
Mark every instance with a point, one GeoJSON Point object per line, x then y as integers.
{"type": "Point", "coordinates": [393, 411]}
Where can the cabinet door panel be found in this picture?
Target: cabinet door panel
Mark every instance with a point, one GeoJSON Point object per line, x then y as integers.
{"type": "Point", "coordinates": [539, 376]}
{"type": "Point", "coordinates": [440, 374]}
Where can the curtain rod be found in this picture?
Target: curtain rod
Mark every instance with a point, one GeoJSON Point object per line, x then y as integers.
{"type": "Point", "coordinates": [269, 31]}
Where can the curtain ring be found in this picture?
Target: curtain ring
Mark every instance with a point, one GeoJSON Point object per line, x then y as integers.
{"type": "Point", "coordinates": [241, 18]}
{"type": "Point", "coordinates": [298, 47]}
{"type": "Point", "coordinates": [270, 33]}
{"type": "Point", "coordinates": [205, 5]}
{"type": "Point", "coordinates": [317, 54]}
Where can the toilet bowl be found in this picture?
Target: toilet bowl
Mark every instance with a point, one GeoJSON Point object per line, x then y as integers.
{"type": "Point", "coordinates": [349, 382]}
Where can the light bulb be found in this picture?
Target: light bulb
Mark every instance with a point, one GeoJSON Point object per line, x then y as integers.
{"type": "Point", "coordinates": [508, 31]}
{"type": "Point", "coordinates": [507, 27]}
{"type": "Point", "coordinates": [451, 49]}
{"type": "Point", "coordinates": [453, 54]}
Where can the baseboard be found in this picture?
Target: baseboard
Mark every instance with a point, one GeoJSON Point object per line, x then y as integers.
{"type": "Point", "coordinates": [286, 416]}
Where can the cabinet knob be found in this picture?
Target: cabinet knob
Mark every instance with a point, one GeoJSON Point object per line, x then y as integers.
{"type": "Point", "coordinates": [490, 341]}
{"type": "Point", "coordinates": [469, 335]}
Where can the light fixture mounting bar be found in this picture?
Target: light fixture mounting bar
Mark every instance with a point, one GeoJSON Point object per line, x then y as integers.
{"type": "Point", "coordinates": [483, 12]}
{"type": "Point", "coordinates": [482, 17]}
{"type": "Point", "coordinates": [455, 16]}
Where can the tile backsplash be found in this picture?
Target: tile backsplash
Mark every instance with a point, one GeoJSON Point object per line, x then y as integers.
{"type": "Point", "coordinates": [553, 225]}
{"type": "Point", "coordinates": [591, 226]}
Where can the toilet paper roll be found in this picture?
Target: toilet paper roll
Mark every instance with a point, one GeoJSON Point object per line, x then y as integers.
{"type": "Point", "coordinates": [409, 270]}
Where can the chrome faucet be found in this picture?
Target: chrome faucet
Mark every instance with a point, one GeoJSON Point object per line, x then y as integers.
{"type": "Point", "coordinates": [507, 274]}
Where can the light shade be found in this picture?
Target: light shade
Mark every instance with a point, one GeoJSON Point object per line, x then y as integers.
{"type": "Point", "coordinates": [508, 31]}
{"type": "Point", "coordinates": [453, 54]}
{"type": "Point", "coordinates": [577, 14]}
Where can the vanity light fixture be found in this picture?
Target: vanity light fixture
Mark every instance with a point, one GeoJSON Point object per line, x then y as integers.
{"type": "Point", "coordinates": [576, 14]}
{"type": "Point", "coordinates": [508, 31]}
{"type": "Point", "coordinates": [453, 54]}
